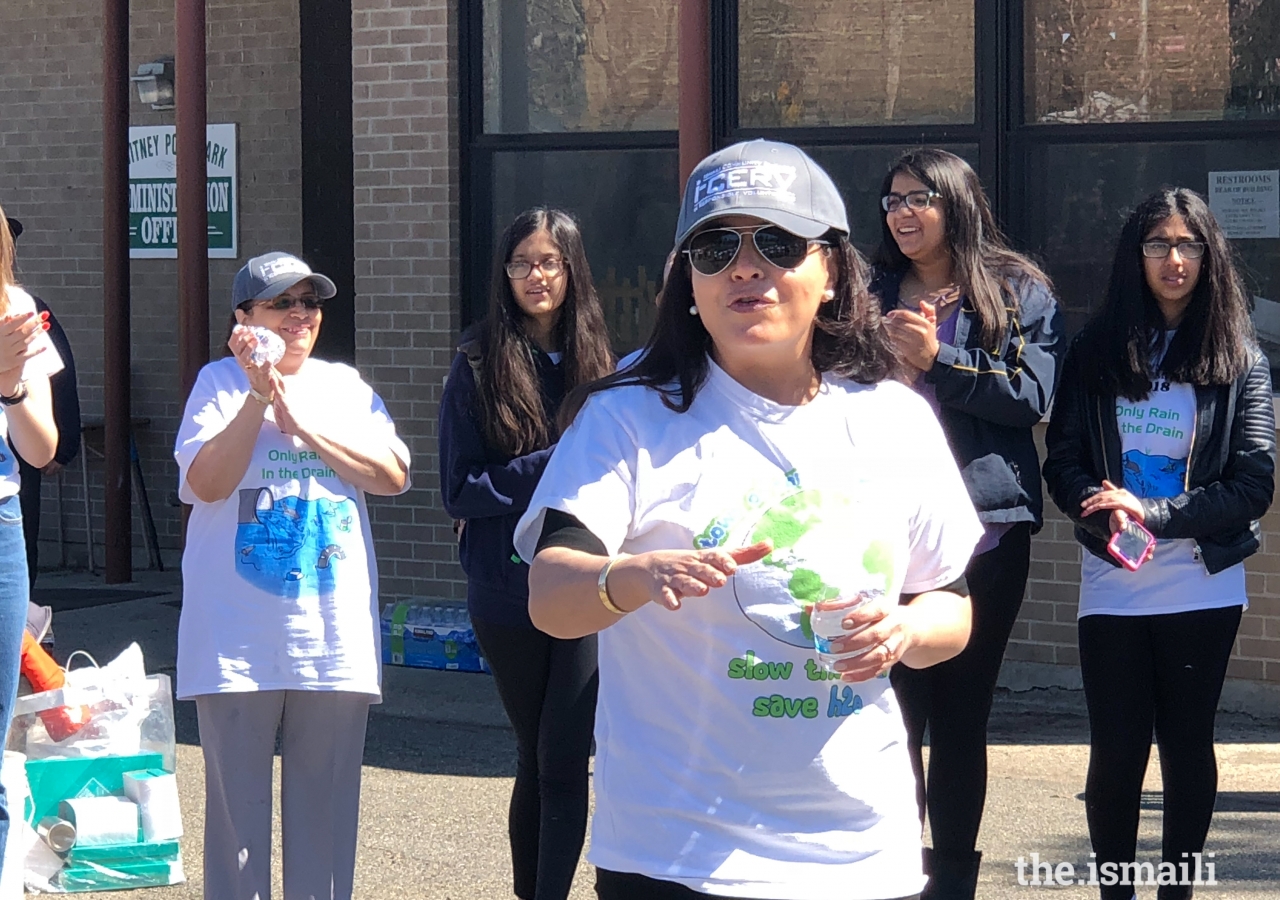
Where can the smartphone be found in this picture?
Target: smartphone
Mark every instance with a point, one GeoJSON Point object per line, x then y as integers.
{"type": "Point", "coordinates": [1131, 545]}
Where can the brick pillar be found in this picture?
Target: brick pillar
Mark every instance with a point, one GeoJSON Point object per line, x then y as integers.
{"type": "Point", "coordinates": [406, 190]}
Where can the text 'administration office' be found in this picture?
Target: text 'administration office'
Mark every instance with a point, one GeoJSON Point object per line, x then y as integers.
{"type": "Point", "coordinates": [389, 142]}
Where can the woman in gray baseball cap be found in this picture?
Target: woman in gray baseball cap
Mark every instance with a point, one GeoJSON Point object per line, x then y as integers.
{"type": "Point", "coordinates": [279, 627]}
{"type": "Point", "coordinates": [737, 516]}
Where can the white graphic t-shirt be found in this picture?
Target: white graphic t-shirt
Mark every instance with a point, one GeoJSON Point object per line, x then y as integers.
{"type": "Point", "coordinates": [44, 364]}
{"type": "Point", "coordinates": [280, 584]}
{"type": "Point", "coordinates": [726, 760]}
{"type": "Point", "coordinates": [1155, 443]}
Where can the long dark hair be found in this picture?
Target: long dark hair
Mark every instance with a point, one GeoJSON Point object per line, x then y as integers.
{"type": "Point", "coordinates": [981, 260]}
{"type": "Point", "coordinates": [1213, 342]}
{"type": "Point", "coordinates": [848, 338]}
{"type": "Point", "coordinates": [513, 414]}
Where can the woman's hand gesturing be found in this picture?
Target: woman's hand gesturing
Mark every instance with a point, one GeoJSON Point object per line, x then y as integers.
{"type": "Point", "coordinates": [17, 334]}
{"type": "Point", "coordinates": [915, 335]}
{"type": "Point", "coordinates": [242, 344]}
{"type": "Point", "coordinates": [666, 577]}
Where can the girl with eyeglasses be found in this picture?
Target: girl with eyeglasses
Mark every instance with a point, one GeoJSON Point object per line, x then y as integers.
{"type": "Point", "coordinates": [279, 627]}
{"type": "Point", "coordinates": [979, 332]}
{"type": "Point", "coordinates": [544, 335]}
{"type": "Point", "coordinates": [1164, 418]}
{"type": "Point", "coordinates": [755, 461]}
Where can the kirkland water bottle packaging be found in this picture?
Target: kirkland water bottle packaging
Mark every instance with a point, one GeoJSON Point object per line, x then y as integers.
{"type": "Point", "coordinates": [423, 635]}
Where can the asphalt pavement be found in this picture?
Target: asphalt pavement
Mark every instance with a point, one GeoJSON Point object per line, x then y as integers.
{"type": "Point", "coordinates": [440, 757]}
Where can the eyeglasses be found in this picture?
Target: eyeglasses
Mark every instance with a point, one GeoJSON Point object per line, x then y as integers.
{"type": "Point", "coordinates": [522, 268]}
{"type": "Point", "coordinates": [1160, 249]}
{"type": "Point", "coordinates": [284, 303]}
{"type": "Point", "coordinates": [917, 200]}
{"type": "Point", "coordinates": [712, 251]}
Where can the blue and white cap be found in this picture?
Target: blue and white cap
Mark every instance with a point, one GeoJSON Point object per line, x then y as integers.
{"type": "Point", "coordinates": [766, 179]}
{"type": "Point", "coordinates": [271, 274]}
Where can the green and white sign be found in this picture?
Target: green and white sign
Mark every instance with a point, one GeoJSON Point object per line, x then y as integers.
{"type": "Point", "coordinates": [153, 191]}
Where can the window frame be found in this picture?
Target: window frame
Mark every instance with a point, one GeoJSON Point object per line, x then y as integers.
{"type": "Point", "coordinates": [1004, 138]}
{"type": "Point", "coordinates": [477, 149]}
{"type": "Point", "coordinates": [1024, 137]}
{"type": "Point", "coordinates": [985, 131]}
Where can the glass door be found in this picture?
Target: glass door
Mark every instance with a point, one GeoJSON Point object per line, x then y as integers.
{"type": "Point", "coordinates": [858, 83]}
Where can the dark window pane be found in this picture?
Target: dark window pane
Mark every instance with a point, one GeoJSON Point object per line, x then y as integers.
{"type": "Point", "coordinates": [858, 172]}
{"type": "Point", "coordinates": [1082, 195]}
{"type": "Point", "coordinates": [876, 62]}
{"type": "Point", "coordinates": [626, 202]}
{"type": "Point", "coordinates": [565, 65]}
{"type": "Point", "coordinates": [1152, 60]}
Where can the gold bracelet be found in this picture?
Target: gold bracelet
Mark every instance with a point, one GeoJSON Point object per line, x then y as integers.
{"type": "Point", "coordinates": [603, 587]}
{"type": "Point", "coordinates": [264, 399]}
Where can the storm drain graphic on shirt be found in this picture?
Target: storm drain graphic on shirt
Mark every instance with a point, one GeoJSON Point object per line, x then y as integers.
{"type": "Point", "coordinates": [291, 546]}
{"type": "Point", "coordinates": [1153, 476]}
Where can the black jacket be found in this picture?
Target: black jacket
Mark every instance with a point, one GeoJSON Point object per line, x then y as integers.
{"type": "Point", "coordinates": [65, 395]}
{"type": "Point", "coordinates": [488, 491]}
{"type": "Point", "coordinates": [991, 397]}
{"type": "Point", "coordinates": [1230, 474]}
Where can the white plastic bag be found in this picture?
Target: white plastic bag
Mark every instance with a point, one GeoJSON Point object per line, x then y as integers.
{"type": "Point", "coordinates": [124, 711]}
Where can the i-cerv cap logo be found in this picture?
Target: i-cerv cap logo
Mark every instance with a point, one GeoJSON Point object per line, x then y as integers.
{"type": "Point", "coordinates": [749, 178]}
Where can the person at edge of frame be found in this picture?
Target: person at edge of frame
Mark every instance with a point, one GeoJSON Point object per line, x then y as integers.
{"type": "Point", "coordinates": [1164, 418]}
{"type": "Point", "coordinates": [28, 359]}
{"type": "Point", "coordinates": [66, 414]}
{"type": "Point", "coordinates": [981, 337]}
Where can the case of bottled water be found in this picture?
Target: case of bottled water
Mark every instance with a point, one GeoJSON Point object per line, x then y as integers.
{"type": "Point", "coordinates": [426, 635]}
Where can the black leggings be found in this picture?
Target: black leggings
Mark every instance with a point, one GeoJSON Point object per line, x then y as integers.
{"type": "Point", "coordinates": [548, 688]}
{"type": "Point", "coordinates": [953, 699]}
{"type": "Point", "coordinates": [628, 886]}
{"type": "Point", "coordinates": [1144, 672]}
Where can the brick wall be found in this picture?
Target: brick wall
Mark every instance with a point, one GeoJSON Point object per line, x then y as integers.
{"type": "Point", "coordinates": [51, 179]}
{"type": "Point", "coordinates": [406, 206]}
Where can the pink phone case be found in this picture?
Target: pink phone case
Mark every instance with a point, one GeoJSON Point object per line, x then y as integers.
{"type": "Point", "coordinates": [1113, 546]}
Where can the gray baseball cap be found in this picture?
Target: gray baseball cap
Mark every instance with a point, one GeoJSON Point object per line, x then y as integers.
{"type": "Point", "coordinates": [766, 179]}
{"type": "Point", "coordinates": [271, 274]}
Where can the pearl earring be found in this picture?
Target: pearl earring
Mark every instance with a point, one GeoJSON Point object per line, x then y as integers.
{"type": "Point", "coordinates": [829, 294]}
{"type": "Point", "coordinates": [693, 310]}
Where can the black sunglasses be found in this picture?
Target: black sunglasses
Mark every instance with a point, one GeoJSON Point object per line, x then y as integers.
{"type": "Point", "coordinates": [712, 251]}
{"type": "Point", "coordinates": [283, 303]}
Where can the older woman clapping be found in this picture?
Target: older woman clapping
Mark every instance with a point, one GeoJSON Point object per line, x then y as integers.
{"type": "Point", "coordinates": [279, 628]}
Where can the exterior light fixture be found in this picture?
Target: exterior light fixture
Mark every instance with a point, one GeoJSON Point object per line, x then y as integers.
{"type": "Point", "coordinates": [155, 83]}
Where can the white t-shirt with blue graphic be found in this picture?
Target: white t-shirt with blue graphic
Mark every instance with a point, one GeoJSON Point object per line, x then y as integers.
{"type": "Point", "coordinates": [1155, 442]}
{"type": "Point", "coordinates": [42, 365]}
{"type": "Point", "coordinates": [726, 760]}
{"type": "Point", "coordinates": [279, 581]}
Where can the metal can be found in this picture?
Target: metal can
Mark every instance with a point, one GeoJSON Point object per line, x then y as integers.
{"type": "Point", "coordinates": [57, 832]}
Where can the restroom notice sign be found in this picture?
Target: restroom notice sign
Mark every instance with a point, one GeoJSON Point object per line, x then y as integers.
{"type": "Point", "coordinates": [1246, 204]}
{"type": "Point", "coordinates": [153, 191]}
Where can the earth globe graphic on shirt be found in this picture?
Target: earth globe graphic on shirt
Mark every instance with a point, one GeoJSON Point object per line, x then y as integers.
{"type": "Point", "coordinates": [824, 547]}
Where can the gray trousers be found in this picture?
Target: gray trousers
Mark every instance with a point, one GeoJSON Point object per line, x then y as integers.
{"type": "Point", "coordinates": [321, 749]}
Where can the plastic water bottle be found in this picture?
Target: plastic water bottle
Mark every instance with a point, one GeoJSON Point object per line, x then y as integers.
{"type": "Point", "coordinates": [827, 623]}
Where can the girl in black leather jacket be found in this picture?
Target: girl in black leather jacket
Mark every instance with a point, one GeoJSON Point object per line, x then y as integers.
{"type": "Point", "coordinates": [1164, 416]}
